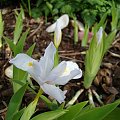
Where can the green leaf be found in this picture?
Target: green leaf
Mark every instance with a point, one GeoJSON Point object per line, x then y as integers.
{"type": "Point", "coordinates": [75, 31]}
{"type": "Point", "coordinates": [85, 38]}
{"type": "Point", "coordinates": [15, 102]}
{"type": "Point", "coordinates": [18, 27]}
{"type": "Point", "coordinates": [10, 43]}
{"type": "Point", "coordinates": [50, 105]}
{"type": "Point", "coordinates": [73, 111]}
{"type": "Point", "coordinates": [97, 113]}
{"type": "Point", "coordinates": [114, 115]}
{"type": "Point", "coordinates": [102, 22]}
{"type": "Point", "coordinates": [49, 115]}
{"type": "Point", "coordinates": [29, 111]}
{"type": "Point", "coordinates": [108, 40]}
{"type": "Point", "coordinates": [18, 114]}
{"type": "Point", "coordinates": [93, 61]}
{"type": "Point", "coordinates": [19, 75]}
{"type": "Point", "coordinates": [21, 42]}
{"type": "Point", "coordinates": [114, 17]}
{"type": "Point", "coordinates": [30, 50]}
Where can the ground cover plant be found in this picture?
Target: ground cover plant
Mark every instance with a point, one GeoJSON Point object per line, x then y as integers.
{"type": "Point", "coordinates": [40, 79]}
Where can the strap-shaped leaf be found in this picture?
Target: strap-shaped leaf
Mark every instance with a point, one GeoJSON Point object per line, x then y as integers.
{"type": "Point", "coordinates": [114, 115]}
{"type": "Point", "coordinates": [21, 42]}
{"type": "Point", "coordinates": [18, 114]}
{"type": "Point", "coordinates": [52, 115]}
{"type": "Point", "coordinates": [98, 113]}
{"type": "Point", "coordinates": [18, 27]}
{"type": "Point", "coordinates": [73, 111]}
{"type": "Point", "coordinates": [30, 50]}
{"type": "Point", "coordinates": [10, 43]}
{"type": "Point", "coordinates": [15, 102]}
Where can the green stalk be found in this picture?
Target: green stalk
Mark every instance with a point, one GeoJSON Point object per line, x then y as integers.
{"type": "Point", "coordinates": [75, 31]}
{"type": "Point", "coordinates": [56, 58]}
{"type": "Point", "coordinates": [29, 111]}
{"type": "Point", "coordinates": [85, 38]}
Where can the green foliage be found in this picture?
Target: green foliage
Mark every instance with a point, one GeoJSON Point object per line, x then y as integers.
{"type": "Point", "coordinates": [52, 115]}
{"type": "Point", "coordinates": [18, 27]}
{"type": "Point", "coordinates": [114, 115]}
{"type": "Point", "coordinates": [92, 61]}
{"type": "Point", "coordinates": [114, 22]}
{"type": "Point", "coordinates": [85, 38]}
{"type": "Point", "coordinates": [89, 10]}
{"type": "Point", "coordinates": [73, 111]}
{"type": "Point", "coordinates": [29, 111]}
{"type": "Point", "coordinates": [75, 31]}
{"type": "Point", "coordinates": [96, 51]}
{"type": "Point", "coordinates": [80, 112]}
{"type": "Point", "coordinates": [15, 102]}
{"type": "Point", "coordinates": [16, 46]}
{"type": "Point", "coordinates": [18, 114]}
{"type": "Point", "coordinates": [98, 113]}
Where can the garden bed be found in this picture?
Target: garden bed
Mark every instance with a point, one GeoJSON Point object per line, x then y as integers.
{"type": "Point", "coordinates": [106, 83]}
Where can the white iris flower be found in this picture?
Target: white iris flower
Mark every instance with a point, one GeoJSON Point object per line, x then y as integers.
{"type": "Point", "coordinates": [56, 27]}
{"type": "Point", "coordinates": [45, 74]}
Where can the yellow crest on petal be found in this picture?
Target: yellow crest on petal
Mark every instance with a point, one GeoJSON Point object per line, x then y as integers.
{"type": "Point", "coordinates": [30, 64]}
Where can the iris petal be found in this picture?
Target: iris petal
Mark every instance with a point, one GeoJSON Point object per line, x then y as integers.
{"type": "Point", "coordinates": [99, 34]}
{"type": "Point", "coordinates": [62, 80]}
{"type": "Point", "coordinates": [46, 62]}
{"type": "Point", "coordinates": [64, 72]}
{"type": "Point", "coordinates": [22, 61]}
{"type": "Point", "coordinates": [57, 35]}
{"type": "Point", "coordinates": [54, 92]}
{"type": "Point", "coordinates": [62, 21]}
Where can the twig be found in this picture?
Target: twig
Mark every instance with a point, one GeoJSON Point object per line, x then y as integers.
{"type": "Point", "coordinates": [63, 51]}
{"type": "Point", "coordinates": [72, 101]}
{"type": "Point", "coordinates": [35, 31]}
{"type": "Point", "coordinates": [114, 54]}
{"type": "Point", "coordinates": [3, 110]}
{"type": "Point", "coordinates": [74, 54]}
{"type": "Point", "coordinates": [115, 41]}
{"type": "Point", "coordinates": [69, 58]}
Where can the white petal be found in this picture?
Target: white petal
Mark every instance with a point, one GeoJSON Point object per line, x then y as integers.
{"type": "Point", "coordinates": [28, 64]}
{"type": "Point", "coordinates": [51, 28]}
{"type": "Point", "coordinates": [62, 80]}
{"type": "Point", "coordinates": [54, 92]}
{"type": "Point", "coordinates": [70, 71]}
{"type": "Point", "coordinates": [22, 61]}
{"type": "Point", "coordinates": [47, 61]}
{"type": "Point", "coordinates": [9, 71]}
{"type": "Point", "coordinates": [56, 72]}
{"type": "Point", "coordinates": [57, 35]}
{"type": "Point", "coordinates": [70, 67]}
{"type": "Point", "coordinates": [99, 34]}
{"type": "Point", "coordinates": [62, 21]}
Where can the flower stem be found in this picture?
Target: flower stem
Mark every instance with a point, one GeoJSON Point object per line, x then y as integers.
{"type": "Point", "coordinates": [40, 92]}
{"type": "Point", "coordinates": [56, 58]}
